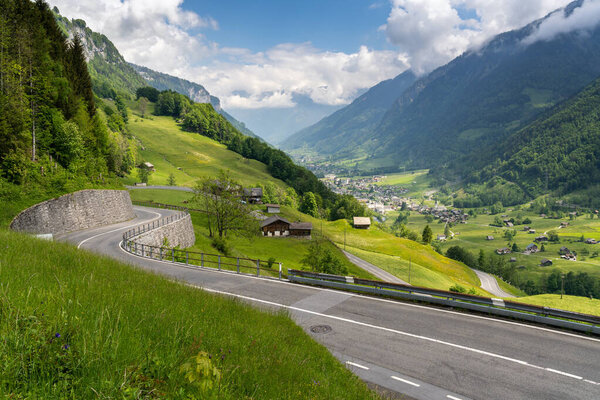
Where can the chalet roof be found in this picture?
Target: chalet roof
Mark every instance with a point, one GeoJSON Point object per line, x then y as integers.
{"type": "Point", "coordinates": [148, 165]}
{"type": "Point", "coordinates": [272, 205]}
{"type": "Point", "coordinates": [531, 246]}
{"type": "Point", "coordinates": [253, 192]}
{"type": "Point", "coordinates": [273, 219]}
{"type": "Point", "coordinates": [546, 261]}
{"type": "Point", "coordinates": [301, 225]}
{"type": "Point", "coordinates": [362, 221]}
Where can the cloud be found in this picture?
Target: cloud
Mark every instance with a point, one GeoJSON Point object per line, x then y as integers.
{"type": "Point", "coordinates": [431, 32]}
{"type": "Point", "coordinates": [582, 18]}
{"type": "Point", "coordinates": [331, 78]}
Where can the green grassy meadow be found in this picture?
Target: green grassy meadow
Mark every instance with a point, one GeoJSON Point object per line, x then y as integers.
{"type": "Point", "coordinates": [578, 304]}
{"type": "Point", "coordinates": [169, 148]}
{"type": "Point", "coordinates": [472, 236]}
{"type": "Point", "coordinates": [78, 325]}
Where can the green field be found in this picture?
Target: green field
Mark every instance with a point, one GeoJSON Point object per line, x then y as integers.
{"type": "Point", "coordinates": [472, 236]}
{"type": "Point", "coordinates": [570, 303]}
{"type": "Point", "coordinates": [169, 148]}
{"type": "Point", "coordinates": [403, 178]}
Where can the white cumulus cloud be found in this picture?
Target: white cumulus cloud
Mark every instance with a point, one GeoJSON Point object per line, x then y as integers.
{"type": "Point", "coordinates": [582, 18]}
{"type": "Point", "coordinates": [432, 32]}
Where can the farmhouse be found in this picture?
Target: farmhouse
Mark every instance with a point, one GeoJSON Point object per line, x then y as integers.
{"type": "Point", "coordinates": [273, 208]}
{"type": "Point", "coordinates": [276, 226]}
{"type": "Point", "coordinates": [148, 166]}
{"type": "Point", "coordinates": [253, 195]}
{"type": "Point", "coordinates": [591, 241]}
{"type": "Point", "coordinates": [541, 238]}
{"type": "Point", "coordinates": [489, 237]}
{"type": "Point", "coordinates": [504, 250]}
{"type": "Point", "coordinates": [441, 238]}
{"type": "Point", "coordinates": [564, 224]}
{"type": "Point", "coordinates": [531, 248]}
{"type": "Point", "coordinates": [362, 222]}
{"type": "Point", "coordinates": [545, 262]}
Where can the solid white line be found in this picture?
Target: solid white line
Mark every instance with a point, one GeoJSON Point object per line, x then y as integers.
{"type": "Point", "coordinates": [452, 397]}
{"type": "Point", "coordinates": [382, 328]}
{"type": "Point", "coordinates": [405, 381]}
{"type": "Point", "coordinates": [592, 382]}
{"type": "Point", "coordinates": [118, 229]}
{"type": "Point", "coordinates": [357, 365]}
{"type": "Point", "coordinates": [564, 373]}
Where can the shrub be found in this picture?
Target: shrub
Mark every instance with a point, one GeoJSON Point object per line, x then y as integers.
{"type": "Point", "coordinates": [457, 289]}
{"type": "Point", "coordinates": [221, 245]}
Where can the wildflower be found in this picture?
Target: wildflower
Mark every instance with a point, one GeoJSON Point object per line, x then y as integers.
{"type": "Point", "coordinates": [57, 335]}
{"type": "Point", "coordinates": [66, 347]}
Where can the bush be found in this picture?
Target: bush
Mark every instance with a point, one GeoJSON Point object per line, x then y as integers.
{"type": "Point", "coordinates": [457, 289]}
{"type": "Point", "coordinates": [221, 245]}
{"type": "Point", "coordinates": [270, 262]}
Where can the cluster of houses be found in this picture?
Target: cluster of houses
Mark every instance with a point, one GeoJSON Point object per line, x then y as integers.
{"type": "Point", "coordinates": [452, 216]}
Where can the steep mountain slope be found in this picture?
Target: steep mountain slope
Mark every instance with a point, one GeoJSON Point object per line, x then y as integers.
{"type": "Point", "coordinates": [477, 100]}
{"type": "Point", "coordinates": [483, 96]}
{"type": "Point", "coordinates": [194, 91]}
{"type": "Point", "coordinates": [112, 74]}
{"type": "Point", "coordinates": [107, 67]}
{"type": "Point", "coordinates": [346, 128]}
{"type": "Point", "coordinates": [561, 149]}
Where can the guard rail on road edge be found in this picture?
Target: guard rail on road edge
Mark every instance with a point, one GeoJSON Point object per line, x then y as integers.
{"type": "Point", "coordinates": [545, 315]}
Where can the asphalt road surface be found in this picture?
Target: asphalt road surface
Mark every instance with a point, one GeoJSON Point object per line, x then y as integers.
{"type": "Point", "coordinates": [489, 283]}
{"type": "Point", "coordinates": [423, 352]}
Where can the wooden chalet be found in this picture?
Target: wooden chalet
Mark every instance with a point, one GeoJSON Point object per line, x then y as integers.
{"type": "Point", "coordinates": [531, 248]}
{"type": "Point", "coordinates": [502, 251]}
{"type": "Point", "coordinates": [546, 263]}
{"type": "Point", "coordinates": [591, 241]}
{"type": "Point", "coordinates": [361, 222]}
{"type": "Point", "coordinates": [276, 226]}
{"type": "Point", "coordinates": [489, 237]}
{"type": "Point", "coordinates": [252, 195]}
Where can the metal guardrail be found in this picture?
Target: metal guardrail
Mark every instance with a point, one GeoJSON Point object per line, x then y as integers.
{"type": "Point", "coordinates": [166, 206]}
{"type": "Point", "coordinates": [192, 258]}
{"type": "Point", "coordinates": [545, 315]}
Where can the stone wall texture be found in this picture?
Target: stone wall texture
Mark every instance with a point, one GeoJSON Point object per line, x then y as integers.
{"type": "Point", "coordinates": [75, 211]}
{"type": "Point", "coordinates": [178, 233]}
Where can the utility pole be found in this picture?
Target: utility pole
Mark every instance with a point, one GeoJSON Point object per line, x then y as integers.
{"type": "Point", "coordinates": [409, 266]}
{"type": "Point", "coordinates": [562, 285]}
{"type": "Point", "coordinates": [344, 238]}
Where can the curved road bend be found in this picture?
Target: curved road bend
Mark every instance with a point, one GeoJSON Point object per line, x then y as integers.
{"type": "Point", "coordinates": [423, 352]}
{"type": "Point", "coordinates": [373, 269]}
{"type": "Point", "coordinates": [490, 283]}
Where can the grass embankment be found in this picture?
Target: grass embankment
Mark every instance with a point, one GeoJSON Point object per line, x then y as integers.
{"type": "Point", "coordinates": [168, 147]}
{"type": "Point", "coordinates": [77, 325]}
{"type": "Point", "coordinates": [570, 303]}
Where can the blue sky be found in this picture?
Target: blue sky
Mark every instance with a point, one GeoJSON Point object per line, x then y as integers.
{"type": "Point", "coordinates": [334, 25]}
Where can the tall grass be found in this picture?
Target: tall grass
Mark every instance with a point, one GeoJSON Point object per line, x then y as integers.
{"type": "Point", "coordinates": [77, 325]}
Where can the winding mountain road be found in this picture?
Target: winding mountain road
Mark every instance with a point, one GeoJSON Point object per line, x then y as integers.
{"type": "Point", "coordinates": [423, 352]}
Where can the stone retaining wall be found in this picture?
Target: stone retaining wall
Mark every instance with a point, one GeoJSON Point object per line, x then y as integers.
{"type": "Point", "coordinates": [75, 211]}
{"type": "Point", "coordinates": [178, 233]}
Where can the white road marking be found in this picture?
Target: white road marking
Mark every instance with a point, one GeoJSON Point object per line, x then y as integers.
{"type": "Point", "coordinates": [118, 229]}
{"type": "Point", "coordinates": [452, 397]}
{"type": "Point", "coordinates": [592, 382]}
{"type": "Point", "coordinates": [396, 302]}
{"type": "Point", "coordinates": [564, 373]}
{"type": "Point", "coordinates": [382, 328]}
{"type": "Point", "coordinates": [405, 381]}
{"type": "Point", "coordinates": [357, 365]}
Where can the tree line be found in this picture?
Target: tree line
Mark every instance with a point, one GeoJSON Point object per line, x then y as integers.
{"type": "Point", "coordinates": [50, 124]}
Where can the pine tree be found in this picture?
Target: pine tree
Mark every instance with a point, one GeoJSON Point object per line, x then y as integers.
{"type": "Point", "coordinates": [427, 235]}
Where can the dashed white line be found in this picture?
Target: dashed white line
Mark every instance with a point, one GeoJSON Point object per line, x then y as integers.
{"type": "Point", "coordinates": [405, 381]}
{"type": "Point", "coordinates": [452, 397]}
{"type": "Point", "coordinates": [357, 365]}
{"type": "Point", "coordinates": [592, 382]}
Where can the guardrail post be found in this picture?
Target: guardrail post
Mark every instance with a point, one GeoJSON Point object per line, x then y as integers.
{"type": "Point", "coordinates": [257, 267]}
{"type": "Point", "coordinates": [151, 247]}
{"type": "Point", "coordinates": [173, 254]}
{"type": "Point", "coordinates": [135, 247]}
{"type": "Point", "coordinates": [202, 259]}
{"type": "Point", "coordinates": [142, 250]}
{"type": "Point", "coordinates": [187, 258]}
{"type": "Point", "coordinates": [219, 262]}
{"type": "Point", "coordinates": [238, 265]}
{"type": "Point", "coordinates": [161, 254]}
{"type": "Point", "coordinates": [279, 271]}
